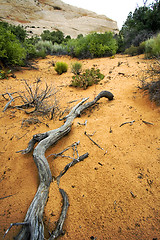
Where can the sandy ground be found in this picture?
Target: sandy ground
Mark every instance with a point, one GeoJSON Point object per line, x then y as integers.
{"type": "Point", "coordinates": [112, 196]}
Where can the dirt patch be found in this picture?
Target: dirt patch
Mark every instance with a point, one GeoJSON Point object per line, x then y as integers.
{"type": "Point", "coordinates": [113, 195]}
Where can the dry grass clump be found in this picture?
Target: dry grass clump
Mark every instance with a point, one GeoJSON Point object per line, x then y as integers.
{"type": "Point", "coordinates": [152, 87]}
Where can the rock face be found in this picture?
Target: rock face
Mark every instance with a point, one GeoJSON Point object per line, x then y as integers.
{"type": "Point", "coordinates": [39, 15]}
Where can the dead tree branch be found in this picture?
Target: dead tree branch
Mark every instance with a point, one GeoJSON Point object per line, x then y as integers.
{"type": "Point", "coordinates": [59, 228]}
{"type": "Point", "coordinates": [34, 216]}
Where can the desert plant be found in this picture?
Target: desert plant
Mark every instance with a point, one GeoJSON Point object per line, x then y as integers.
{"type": "Point", "coordinates": [93, 45]}
{"type": "Point", "coordinates": [59, 49]}
{"type": "Point", "coordinates": [132, 51]}
{"type": "Point", "coordinates": [54, 36]}
{"type": "Point", "coordinates": [152, 87]}
{"type": "Point", "coordinates": [87, 78]}
{"type": "Point", "coordinates": [152, 47]}
{"type": "Point", "coordinates": [76, 68]}
{"type": "Point", "coordinates": [35, 97]}
{"type": "Point", "coordinates": [61, 67]}
{"type": "Point", "coordinates": [11, 50]}
{"type": "Point", "coordinates": [4, 73]}
{"type": "Point", "coordinates": [45, 46]}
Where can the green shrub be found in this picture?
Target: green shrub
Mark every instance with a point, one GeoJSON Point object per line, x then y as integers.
{"type": "Point", "coordinates": [93, 45]}
{"type": "Point", "coordinates": [59, 49]}
{"type": "Point", "coordinates": [30, 50]}
{"type": "Point", "coordinates": [87, 78]}
{"type": "Point", "coordinates": [132, 51]}
{"type": "Point", "coordinates": [54, 36]}
{"type": "Point", "coordinates": [61, 67]}
{"type": "Point", "coordinates": [141, 48]}
{"type": "Point", "coordinates": [152, 47]}
{"type": "Point", "coordinates": [45, 46]}
{"type": "Point", "coordinates": [18, 31]}
{"type": "Point", "coordinates": [76, 68]}
{"type": "Point", "coordinates": [4, 73]}
{"type": "Point", "coordinates": [11, 50]}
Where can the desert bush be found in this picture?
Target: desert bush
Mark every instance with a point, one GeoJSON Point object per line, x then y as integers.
{"type": "Point", "coordinates": [37, 98]}
{"type": "Point", "coordinates": [54, 36]}
{"type": "Point", "coordinates": [18, 31]}
{"type": "Point", "coordinates": [132, 51]}
{"type": "Point", "coordinates": [31, 51]}
{"type": "Point", "coordinates": [4, 73]}
{"type": "Point", "coordinates": [152, 47]}
{"type": "Point", "coordinates": [152, 87]}
{"type": "Point", "coordinates": [61, 67]}
{"type": "Point", "coordinates": [11, 50]}
{"type": "Point", "coordinates": [76, 68]}
{"type": "Point", "coordinates": [87, 78]}
{"type": "Point", "coordinates": [59, 49]}
{"type": "Point", "coordinates": [93, 45]}
{"type": "Point", "coordinates": [141, 48]}
{"type": "Point", "coordinates": [45, 46]}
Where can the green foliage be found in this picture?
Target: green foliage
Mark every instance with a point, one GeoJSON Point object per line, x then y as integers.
{"type": "Point", "coordinates": [152, 47]}
{"type": "Point", "coordinates": [45, 46]}
{"type": "Point", "coordinates": [59, 49]}
{"type": "Point", "coordinates": [141, 25]}
{"type": "Point", "coordinates": [76, 68]}
{"type": "Point", "coordinates": [11, 50]}
{"type": "Point", "coordinates": [30, 50]}
{"type": "Point", "coordinates": [54, 37]}
{"type": "Point", "coordinates": [18, 31]}
{"type": "Point", "coordinates": [61, 67]}
{"type": "Point", "coordinates": [87, 78]}
{"type": "Point", "coordinates": [93, 45]}
{"type": "Point", "coordinates": [132, 51]}
{"type": "Point", "coordinates": [4, 73]}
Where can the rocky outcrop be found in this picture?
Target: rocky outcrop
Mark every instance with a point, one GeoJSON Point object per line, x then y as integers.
{"type": "Point", "coordinates": [39, 15]}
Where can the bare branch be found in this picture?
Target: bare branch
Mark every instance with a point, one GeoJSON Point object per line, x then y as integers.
{"type": "Point", "coordinates": [15, 224]}
{"type": "Point", "coordinates": [131, 122]}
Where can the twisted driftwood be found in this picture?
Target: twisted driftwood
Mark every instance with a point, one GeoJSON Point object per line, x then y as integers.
{"type": "Point", "coordinates": [33, 228]}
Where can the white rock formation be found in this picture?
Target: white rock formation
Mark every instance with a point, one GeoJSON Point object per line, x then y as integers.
{"type": "Point", "coordinates": [39, 15]}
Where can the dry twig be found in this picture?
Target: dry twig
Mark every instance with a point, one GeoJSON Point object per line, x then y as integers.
{"type": "Point", "coordinates": [131, 122]}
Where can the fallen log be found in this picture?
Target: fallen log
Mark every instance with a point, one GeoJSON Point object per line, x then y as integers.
{"type": "Point", "coordinates": [33, 228]}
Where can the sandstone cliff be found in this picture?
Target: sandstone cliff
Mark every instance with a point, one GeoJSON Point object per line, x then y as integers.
{"type": "Point", "coordinates": [38, 15]}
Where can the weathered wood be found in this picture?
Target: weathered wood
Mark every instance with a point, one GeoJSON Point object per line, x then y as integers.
{"type": "Point", "coordinates": [59, 231]}
{"type": "Point", "coordinates": [34, 230]}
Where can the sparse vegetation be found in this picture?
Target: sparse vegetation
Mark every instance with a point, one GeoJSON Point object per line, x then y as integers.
{"type": "Point", "coordinates": [87, 78]}
{"type": "Point", "coordinates": [76, 68]}
{"type": "Point", "coordinates": [61, 67]}
{"type": "Point", "coordinates": [4, 73]}
{"type": "Point", "coordinates": [35, 97]}
{"type": "Point", "coordinates": [152, 87]}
